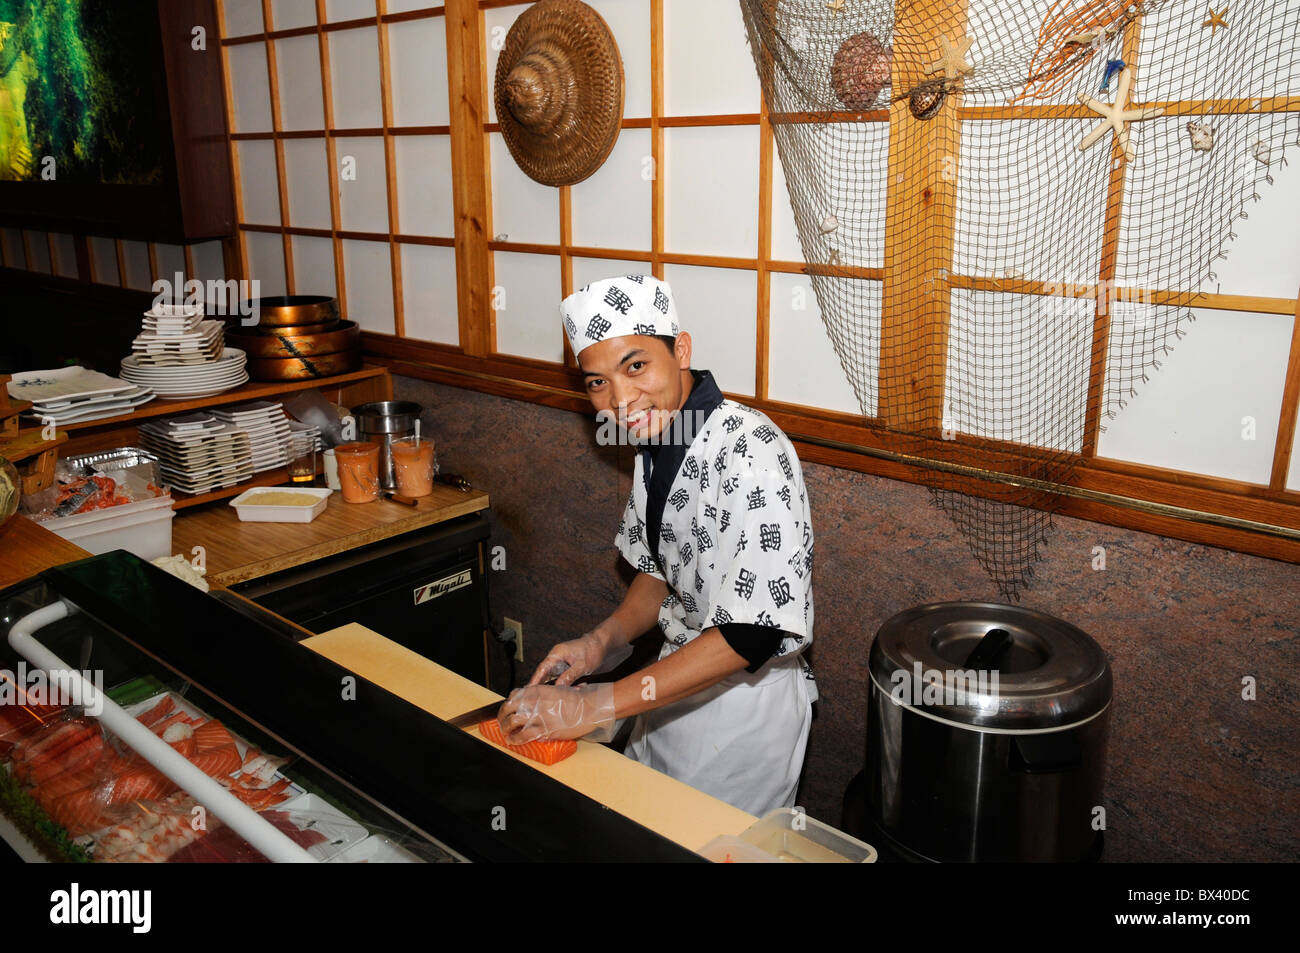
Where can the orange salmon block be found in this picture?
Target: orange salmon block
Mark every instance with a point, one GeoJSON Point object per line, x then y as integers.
{"type": "Point", "coordinates": [212, 735]}
{"type": "Point", "coordinates": [218, 762]}
{"type": "Point", "coordinates": [547, 752]}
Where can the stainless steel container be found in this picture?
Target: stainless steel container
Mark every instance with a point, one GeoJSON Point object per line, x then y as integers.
{"type": "Point", "coordinates": [986, 735]}
{"type": "Point", "coordinates": [383, 422]}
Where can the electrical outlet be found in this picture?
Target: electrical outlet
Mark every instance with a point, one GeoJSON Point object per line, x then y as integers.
{"type": "Point", "coordinates": [517, 628]}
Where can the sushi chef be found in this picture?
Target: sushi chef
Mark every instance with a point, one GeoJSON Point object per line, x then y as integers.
{"type": "Point", "coordinates": [719, 530]}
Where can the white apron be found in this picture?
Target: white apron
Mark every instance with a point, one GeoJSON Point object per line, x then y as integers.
{"type": "Point", "coordinates": [742, 741]}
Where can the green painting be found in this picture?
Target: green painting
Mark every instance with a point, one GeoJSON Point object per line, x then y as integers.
{"type": "Point", "coordinates": [77, 98]}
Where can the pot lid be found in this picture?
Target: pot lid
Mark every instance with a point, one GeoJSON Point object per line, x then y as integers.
{"type": "Point", "coordinates": [991, 666]}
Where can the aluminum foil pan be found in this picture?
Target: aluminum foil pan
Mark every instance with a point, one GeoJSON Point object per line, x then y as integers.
{"type": "Point", "coordinates": [123, 458]}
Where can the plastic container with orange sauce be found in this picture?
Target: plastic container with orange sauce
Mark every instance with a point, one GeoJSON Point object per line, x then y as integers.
{"type": "Point", "coordinates": [413, 466]}
{"type": "Point", "coordinates": [358, 471]}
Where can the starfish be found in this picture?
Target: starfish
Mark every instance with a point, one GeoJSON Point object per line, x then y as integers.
{"type": "Point", "coordinates": [1117, 116]}
{"type": "Point", "coordinates": [953, 58]}
{"type": "Point", "coordinates": [1216, 20]}
{"type": "Point", "coordinates": [835, 6]}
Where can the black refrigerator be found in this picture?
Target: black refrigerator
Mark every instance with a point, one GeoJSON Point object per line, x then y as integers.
{"type": "Point", "coordinates": [425, 589]}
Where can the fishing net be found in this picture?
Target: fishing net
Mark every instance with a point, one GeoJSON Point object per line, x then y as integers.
{"type": "Point", "coordinates": [1006, 209]}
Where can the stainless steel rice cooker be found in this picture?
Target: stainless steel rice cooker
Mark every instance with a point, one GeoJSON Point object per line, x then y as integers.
{"type": "Point", "coordinates": [986, 735]}
{"type": "Point", "coordinates": [382, 422]}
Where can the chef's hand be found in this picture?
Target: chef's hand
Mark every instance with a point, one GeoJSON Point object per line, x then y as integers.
{"type": "Point", "coordinates": [599, 650]}
{"type": "Point", "coordinates": [548, 713]}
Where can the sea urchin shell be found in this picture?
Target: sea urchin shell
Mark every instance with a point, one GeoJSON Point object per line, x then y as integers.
{"type": "Point", "coordinates": [860, 70]}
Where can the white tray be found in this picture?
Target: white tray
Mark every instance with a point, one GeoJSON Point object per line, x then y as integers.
{"type": "Point", "coordinates": [281, 514]}
{"type": "Point", "coordinates": [312, 813]}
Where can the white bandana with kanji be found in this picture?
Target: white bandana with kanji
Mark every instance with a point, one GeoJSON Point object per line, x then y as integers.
{"type": "Point", "coordinates": [618, 307]}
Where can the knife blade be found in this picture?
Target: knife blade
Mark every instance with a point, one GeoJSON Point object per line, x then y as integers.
{"type": "Point", "coordinates": [476, 715]}
{"type": "Point", "coordinates": [484, 712]}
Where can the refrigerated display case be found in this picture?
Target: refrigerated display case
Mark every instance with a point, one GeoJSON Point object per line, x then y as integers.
{"type": "Point", "coordinates": [307, 761]}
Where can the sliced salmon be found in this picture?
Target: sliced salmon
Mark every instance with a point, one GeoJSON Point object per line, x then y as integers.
{"type": "Point", "coordinates": [84, 753]}
{"type": "Point", "coordinates": [211, 735]}
{"type": "Point", "coordinates": [141, 783]}
{"type": "Point", "coordinates": [157, 712]}
{"type": "Point", "coordinates": [53, 739]}
{"type": "Point", "coordinates": [85, 810]}
{"type": "Point", "coordinates": [218, 762]}
{"type": "Point", "coordinates": [47, 792]}
{"type": "Point", "coordinates": [547, 752]}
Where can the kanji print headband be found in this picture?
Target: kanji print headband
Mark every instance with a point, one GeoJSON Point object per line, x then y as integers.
{"type": "Point", "coordinates": [617, 307]}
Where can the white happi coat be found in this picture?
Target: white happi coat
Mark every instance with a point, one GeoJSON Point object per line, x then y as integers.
{"type": "Point", "coordinates": [735, 545]}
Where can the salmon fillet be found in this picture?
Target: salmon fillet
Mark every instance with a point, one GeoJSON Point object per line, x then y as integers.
{"type": "Point", "coordinates": [211, 735]}
{"type": "Point", "coordinates": [158, 711]}
{"type": "Point", "coordinates": [52, 740]}
{"type": "Point", "coordinates": [547, 752]}
{"type": "Point", "coordinates": [140, 784]}
{"type": "Point", "coordinates": [85, 810]}
{"type": "Point", "coordinates": [84, 753]}
{"type": "Point", "coordinates": [218, 762]}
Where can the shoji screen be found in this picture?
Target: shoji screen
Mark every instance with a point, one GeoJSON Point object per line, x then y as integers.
{"type": "Point", "coordinates": [339, 113]}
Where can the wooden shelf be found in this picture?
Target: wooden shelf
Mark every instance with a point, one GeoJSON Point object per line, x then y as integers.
{"type": "Point", "coordinates": [239, 395]}
{"type": "Point", "coordinates": [357, 387]}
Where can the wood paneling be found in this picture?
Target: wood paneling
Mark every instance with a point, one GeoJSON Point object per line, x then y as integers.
{"type": "Point", "coordinates": [470, 185]}
{"type": "Point", "coordinates": [921, 207]}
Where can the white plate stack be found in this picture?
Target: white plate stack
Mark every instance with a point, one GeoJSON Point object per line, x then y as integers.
{"type": "Point", "coordinates": [297, 426]}
{"type": "Point", "coordinates": [198, 453]}
{"type": "Point", "coordinates": [267, 428]}
{"type": "Point", "coordinates": [178, 335]}
{"type": "Point", "coordinates": [68, 395]}
{"type": "Point", "coordinates": [176, 382]}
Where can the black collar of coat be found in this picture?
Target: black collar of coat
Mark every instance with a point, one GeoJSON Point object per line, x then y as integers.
{"type": "Point", "coordinates": [664, 457]}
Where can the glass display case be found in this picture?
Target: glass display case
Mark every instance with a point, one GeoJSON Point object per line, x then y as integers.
{"type": "Point", "coordinates": [144, 720]}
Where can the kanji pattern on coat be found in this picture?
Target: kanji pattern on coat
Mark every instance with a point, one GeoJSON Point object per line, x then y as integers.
{"type": "Point", "coordinates": [739, 546]}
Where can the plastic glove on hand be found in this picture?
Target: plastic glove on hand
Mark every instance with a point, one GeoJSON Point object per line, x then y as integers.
{"type": "Point", "coordinates": [554, 713]}
{"type": "Point", "coordinates": [582, 655]}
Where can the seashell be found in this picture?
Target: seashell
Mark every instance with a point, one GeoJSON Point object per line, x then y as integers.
{"type": "Point", "coordinates": [829, 224]}
{"type": "Point", "coordinates": [925, 101]}
{"type": "Point", "coordinates": [860, 70]}
{"type": "Point", "coordinates": [1262, 152]}
{"type": "Point", "coordinates": [1202, 135]}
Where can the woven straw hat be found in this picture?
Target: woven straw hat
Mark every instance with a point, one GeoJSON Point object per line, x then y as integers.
{"type": "Point", "coordinates": [559, 91]}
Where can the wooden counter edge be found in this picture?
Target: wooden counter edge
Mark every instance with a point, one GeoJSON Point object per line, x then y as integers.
{"type": "Point", "coordinates": [340, 544]}
{"type": "Point", "coordinates": [675, 810]}
{"type": "Point", "coordinates": [27, 549]}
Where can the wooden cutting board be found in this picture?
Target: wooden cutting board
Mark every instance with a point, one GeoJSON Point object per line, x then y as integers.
{"type": "Point", "coordinates": [654, 800]}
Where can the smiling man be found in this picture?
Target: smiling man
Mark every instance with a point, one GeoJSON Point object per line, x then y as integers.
{"type": "Point", "coordinates": [719, 531]}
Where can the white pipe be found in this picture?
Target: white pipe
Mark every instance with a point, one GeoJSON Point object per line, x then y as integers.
{"type": "Point", "coordinates": [256, 830]}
